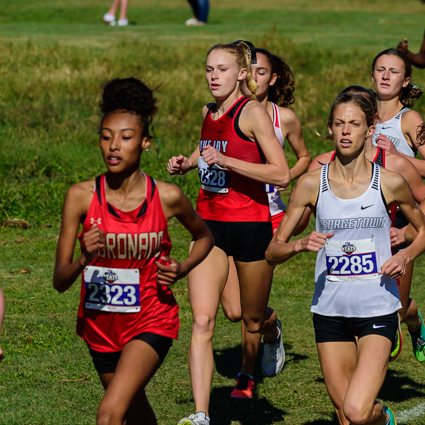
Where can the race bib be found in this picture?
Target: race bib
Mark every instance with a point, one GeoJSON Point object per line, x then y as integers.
{"type": "Point", "coordinates": [213, 178]}
{"type": "Point", "coordinates": [269, 188]}
{"type": "Point", "coordinates": [350, 260]}
{"type": "Point", "coordinates": [114, 290]}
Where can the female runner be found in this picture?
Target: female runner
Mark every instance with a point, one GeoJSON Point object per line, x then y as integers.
{"type": "Point", "coordinates": [409, 312]}
{"type": "Point", "coordinates": [275, 87]}
{"type": "Point", "coordinates": [397, 132]}
{"type": "Point", "coordinates": [356, 292]}
{"type": "Point", "coordinates": [236, 141]}
{"type": "Point", "coordinates": [397, 129]}
{"type": "Point", "coordinates": [127, 315]}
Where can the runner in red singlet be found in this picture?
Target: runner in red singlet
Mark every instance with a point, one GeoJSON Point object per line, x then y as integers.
{"type": "Point", "coordinates": [275, 92]}
{"type": "Point", "coordinates": [127, 315]}
{"type": "Point", "coordinates": [238, 153]}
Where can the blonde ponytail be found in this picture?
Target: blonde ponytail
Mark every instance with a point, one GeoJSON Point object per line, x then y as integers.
{"type": "Point", "coordinates": [249, 51]}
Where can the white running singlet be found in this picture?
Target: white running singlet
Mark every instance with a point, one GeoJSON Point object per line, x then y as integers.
{"type": "Point", "coordinates": [348, 279]}
{"type": "Point", "coordinates": [392, 129]}
{"type": "Point", "coordinates": [275, 203]}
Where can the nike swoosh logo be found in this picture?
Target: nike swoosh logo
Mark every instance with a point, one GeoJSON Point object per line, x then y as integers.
{"type": "Point", "coordinates": [377, 327]}
{"type": "Point", "coordinates": [363, 208]}
{"type": "Point", "coordinates": [220, 131]}
{"type": "Point", "coordinates": [385, 128]}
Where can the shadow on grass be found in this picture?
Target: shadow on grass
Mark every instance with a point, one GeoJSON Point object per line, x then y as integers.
{"type": "Point", "coordinates": [399, 387]}
{"type": "Point", "coordinates": [246, 412]}
{"type": "Point", "coordinates": [228, 361]}
{"type": "Point", "coordinates": [251, 411]}
{"type": "Point", "coordinates": [323, 421]}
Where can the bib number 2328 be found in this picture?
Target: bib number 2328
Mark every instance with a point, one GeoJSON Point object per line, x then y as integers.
{"type": "Point", "coordinates": [114, 290]}
{"type": "Point", "coordinates": [214, 178]}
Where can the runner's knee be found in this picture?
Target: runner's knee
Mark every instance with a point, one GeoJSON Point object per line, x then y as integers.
{"type": "Point", "coordinates": [232, 313]}
{"type": "Point", "coordinates": [203, 323]}
{"type": "Point", "coordinates": [357, 414]}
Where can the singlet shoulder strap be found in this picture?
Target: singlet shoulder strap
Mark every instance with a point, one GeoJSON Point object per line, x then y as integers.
{"type": "Point", "coordinates": [150, 193]}
{"type": "Point", "coordinates": [324, 183]}
{"type": "Point", "coordinates": [380, 157]}
{"type": "Point", "coordinates": [402, 111]}
{"type": "Point", "coordinates": [235, 113]}
{"type": "Point", "coordinates": [276, 115]}
{"type": "Point", "coordinates": [98, 188]}
{"type": "Point", "coordinates": [237, 107]}
{"type": "Point", "coordinates": [375, 176]}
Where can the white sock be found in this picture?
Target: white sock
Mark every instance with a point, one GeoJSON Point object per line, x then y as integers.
{"type": "Point", "coordinates": [203, 414]}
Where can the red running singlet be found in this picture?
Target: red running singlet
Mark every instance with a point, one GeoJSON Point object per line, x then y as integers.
{"type": "Point", "coordinates": [120, 296]}
{"type": "Point", "coordinates": [226, 195]}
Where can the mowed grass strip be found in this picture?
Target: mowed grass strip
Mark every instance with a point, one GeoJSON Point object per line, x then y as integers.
{"type": "Point", "coordinates": [54, 56]}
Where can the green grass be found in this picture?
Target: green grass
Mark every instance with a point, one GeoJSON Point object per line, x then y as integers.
{"type": "Point", "coordinates": [54, 56]}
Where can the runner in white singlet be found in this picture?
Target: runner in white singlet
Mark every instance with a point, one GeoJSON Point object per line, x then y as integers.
{"type": "Point", "coordinates": [349, 197]}
{"type": "Point", "coordinates": [409, 312]}
{"type": "Point", "coordinates": [397, 127]}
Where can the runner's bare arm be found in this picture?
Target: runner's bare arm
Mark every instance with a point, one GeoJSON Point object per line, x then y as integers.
{"type": "Point", "coordinates": [303, 195]}
{"type": "Point", "coordinates": [176, 204]}
{"type": "Point", "coordinates": [396, 191]}
{"type": "Point", "coordinates": [291, 123]}
{"type": "Point", "coordinates": [410, 122]}
{"type": "Point", "coordinates": [76, 205]}
{"type": "Point", "coordinates": [317, 162]}
{"type": "Point", "coordinates": [180, 164]}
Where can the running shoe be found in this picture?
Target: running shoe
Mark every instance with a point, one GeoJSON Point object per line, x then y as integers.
{"type": "Point", "coordinates": [274, 355]}
{"type": "Point", "coordinates": [192, 22]}
{"type": "Point", "coordinates": [418, 341]}
{"type": "Point", "coordinates": [392, 420]}
{"type": "Point", "coordinates": [398, 342]}
{"type": "Point", "coordinates": [109, 19]}
{"type": "Point", "coordinates": [244, 387]}
{"type": "Point", "coordinates": [199, 418]}
{"type": "Point", "coordinates": [122, 22]}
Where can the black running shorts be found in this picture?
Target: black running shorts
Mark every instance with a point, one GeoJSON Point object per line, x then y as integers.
{"type": "Point", "coordinates": [244, 241]}
{"type": "Point", "coordinates": [107, 362]}
{"type": "Point", "coordinates": [344, 329]}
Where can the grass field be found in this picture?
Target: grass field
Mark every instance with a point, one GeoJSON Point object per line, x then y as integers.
{"type": "Point", "coordinates": [54, 56]}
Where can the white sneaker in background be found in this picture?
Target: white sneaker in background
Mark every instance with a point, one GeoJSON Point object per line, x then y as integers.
{"type": "Point", "coordinates": [192, 22]}
{"type": "Point", "coordinates": [109, 19]}
{"type": "Point", "coordinates": [274, 355]}
{"type": "Point", "coordinates": [122, 22]}
{"type": "Point", "coordinates": [199, 418]}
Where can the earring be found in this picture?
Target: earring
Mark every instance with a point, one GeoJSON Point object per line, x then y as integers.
{"type": "Point", "coordinates": [146, 149]}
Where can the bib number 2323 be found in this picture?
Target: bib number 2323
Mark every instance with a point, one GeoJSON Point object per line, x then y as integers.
{"type": "Point", "coordinates": [111, 289]}
{"type": "Point", "coordinates": [214, 178]}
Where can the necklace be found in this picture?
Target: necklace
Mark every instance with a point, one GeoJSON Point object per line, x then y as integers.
{"type": "Point", "coordinates": [128, 190]}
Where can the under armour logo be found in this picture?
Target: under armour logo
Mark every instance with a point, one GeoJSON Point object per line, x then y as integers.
{"type": "Point", "coordinates": [98, 221]}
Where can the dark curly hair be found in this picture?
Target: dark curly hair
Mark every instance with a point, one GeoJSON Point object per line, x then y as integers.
{"type": "Point", "coordinates": [282, 91]}
{"type": "Point", "coordinates": [129, 95]}
{"type": "Point", "coordinates": [410, 93]}
{"type": "Point", "coordinates": [420, 134]}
